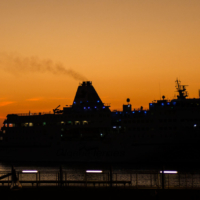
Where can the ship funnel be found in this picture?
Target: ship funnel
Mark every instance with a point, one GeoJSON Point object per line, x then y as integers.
{"type": "Point", "coordinates": [86, 95]}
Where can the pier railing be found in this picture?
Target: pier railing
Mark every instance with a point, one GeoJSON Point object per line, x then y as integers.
{"type": "Point", "coordinates": [134, 180]}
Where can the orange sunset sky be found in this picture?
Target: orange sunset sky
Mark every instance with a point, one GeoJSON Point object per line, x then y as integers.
{"type": "Point", "coordinates": [128, 49]}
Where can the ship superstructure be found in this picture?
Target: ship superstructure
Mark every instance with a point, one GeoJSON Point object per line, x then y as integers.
{"type": "Point", "coordinates": [88, 131]}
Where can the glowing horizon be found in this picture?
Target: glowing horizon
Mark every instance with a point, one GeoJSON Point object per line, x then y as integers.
{"type": "Point", "coordinates": [128, 49]}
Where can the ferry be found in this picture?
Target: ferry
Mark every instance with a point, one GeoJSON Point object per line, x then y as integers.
{"type": "Point", "coordinates": [88, 131]}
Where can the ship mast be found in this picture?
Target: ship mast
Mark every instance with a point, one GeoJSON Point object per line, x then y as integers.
{"type": "Point", "coordinates": [181, 90]}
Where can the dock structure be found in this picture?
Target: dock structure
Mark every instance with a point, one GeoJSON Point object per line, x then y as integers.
{"type": "Point", "coordinates": [136, 180]}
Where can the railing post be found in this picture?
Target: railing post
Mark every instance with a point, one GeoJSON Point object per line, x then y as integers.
{"type": "Point", "coordinates": [61, 176]}
{"type": "Point", "coordinates": [136, 180]}
{"type": "Point", "coordinates": [110, 176]}
{"type": "Point", "coordinates": [65, 178]}
{"type": "Point", "coordinates": [163, 178]}
{"type": "Point", "coordinates": [39, 178]}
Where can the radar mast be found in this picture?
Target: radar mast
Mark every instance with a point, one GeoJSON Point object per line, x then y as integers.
{"type": "Point", "coordinates": [181, 90]}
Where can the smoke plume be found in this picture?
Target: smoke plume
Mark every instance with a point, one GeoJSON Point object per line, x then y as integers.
{"type": "Point", "coordinates": [19, 65]}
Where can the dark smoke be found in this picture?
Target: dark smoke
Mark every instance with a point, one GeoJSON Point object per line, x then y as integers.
{"type": "Point", "coordinates": [18, 65]}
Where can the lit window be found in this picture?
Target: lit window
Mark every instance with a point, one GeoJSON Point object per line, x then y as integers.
{"type": "Point", "coordinates": [69, 122]}
{"type": "Point", "coordinates": [30, 124]}
{"type": "Point", "coordinates": [77, 123]}
{"type": "Point", "coordinates": [10, 125]}
{"type": "Point", "coordinates": [4, 131]}
{"type": "Point", "coordinates": [24, 124]}
{"type": "Point", "coordinates": [6, 125]}
{"type": "Point", "coordinates": [62, 122]}
{"type": "Point", "coordinates": [85, 122]}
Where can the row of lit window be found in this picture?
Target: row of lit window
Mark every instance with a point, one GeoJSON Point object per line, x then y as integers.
{"type": "Point", "coordinates": [29, 124]}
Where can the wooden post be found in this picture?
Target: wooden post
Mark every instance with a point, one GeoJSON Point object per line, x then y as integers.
{"type": "Point", "coordinates": [61, 176]}
{"type": "Point", "coordinates": [136, 180]}
{"type": "Point", "coordinates": [163, 178]}
{"type": "Point", "coordinates": [39, 177]}
{"type": "Point", "coordinates": [116, 179]}
{"type": "Point", "coordinates": [168, 181]}
{"type": "Point", "coordinates": [110, 176]}
{"type": "Point", "coordinates": [65, 178]}
{"type": "Point", "coordinates": [131, 178]}
{"type": "Point", "coordinates": [186, 180]}
{"type": "Point", "coordinates": [192, 180]}
{"type": "Point", "coordinates": [85, 179]}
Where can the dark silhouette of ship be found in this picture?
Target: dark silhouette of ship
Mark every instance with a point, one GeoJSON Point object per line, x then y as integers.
{"type": "Point", "coordinates": [87, 131]}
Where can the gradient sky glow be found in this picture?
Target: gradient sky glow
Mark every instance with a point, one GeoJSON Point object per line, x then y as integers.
{"type": "Point", "coordinates": [128, 48]}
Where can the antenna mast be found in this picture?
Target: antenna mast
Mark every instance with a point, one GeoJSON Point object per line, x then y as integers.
{"type": "Point", "coordinates": [181, 90]}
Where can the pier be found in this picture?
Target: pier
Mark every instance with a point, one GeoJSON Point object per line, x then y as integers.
{"type": "Point", "coordinates": [104, 179]}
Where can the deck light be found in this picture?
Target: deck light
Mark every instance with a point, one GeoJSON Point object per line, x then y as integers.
{"type": "Point", "coordinates": [195, 125]}
{"type": "Point", "coordinates": [29, 171]}
{"type": "Point", "coordinates": [168, 103]}
{"type": "Point", "coordinates": [169, 172]}
{"type": "Point", "coordinates": [162, 104]}
{"type": "Point", "coordinates": [94, 171]}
